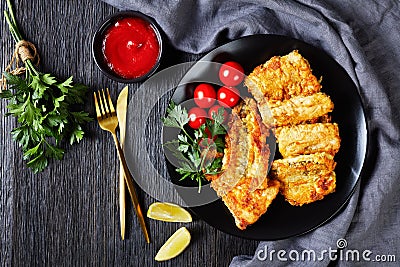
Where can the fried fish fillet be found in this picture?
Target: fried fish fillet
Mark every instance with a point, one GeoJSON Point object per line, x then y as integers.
{"type": "Point", "coordinates": [309, 139]}
{"type": "Point", "coordinates": [283, 77]}
{"type": "Point", "coordinates": [296, 110]}
{"type": "Point", "coordinates": [247, 206]}
{"type": "Point", "coordinates": [289, 99]}
{"type": "Point", "coordinates": [323, 119]}
{"type": "Point", "coordinates": [236, 157]}
{"type": "Point", "coordinates": [308, 189]}
{"type": "Point", "coordinates": [246, 149]}
{"type": "Point", "coordinates": [305, 178]}
{"type": "Point", "coordinates": [257, 140]}
{"type": "Point", "coordinates": [243, 183]}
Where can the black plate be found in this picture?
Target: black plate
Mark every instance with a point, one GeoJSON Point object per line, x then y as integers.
{"type": "Point", "coordinates": [283, 220]}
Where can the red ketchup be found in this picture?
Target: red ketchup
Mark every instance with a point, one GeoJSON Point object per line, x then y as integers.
{"type": "Point", "coordinates": [130, 47]}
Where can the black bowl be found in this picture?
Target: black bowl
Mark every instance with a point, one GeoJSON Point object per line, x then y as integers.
{"type": "Point", "coordinates": [97, 43]}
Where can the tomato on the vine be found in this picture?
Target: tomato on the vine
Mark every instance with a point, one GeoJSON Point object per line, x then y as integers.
{"type": "Point", "coordinates": [231, 73]}
{"type": "Point", "coordinates": [228, 96]}
{"type": "Point", "coordinates": [204, 95]}
{"type": "Point", "coordinates": [197, 117]}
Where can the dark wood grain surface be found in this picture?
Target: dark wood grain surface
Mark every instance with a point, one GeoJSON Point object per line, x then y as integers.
{"type": "Point", "coordinates": [68, 215]}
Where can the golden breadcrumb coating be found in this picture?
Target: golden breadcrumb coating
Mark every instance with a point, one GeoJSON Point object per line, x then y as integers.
{"type": "Point", "coordinates": [308, 139]}
{"type": "Point", "coordinates": [236, 157]}
{"type": "Point", "coordinates": [318, 163]}
{"type": "Point", "coordinates": [243, 183]}
{"type": "Point", "coordinates": [247, 206]}
{"type": "Point", "coordinates": [306, 189]}
{"type": "Point", "coordinates": [283, 77]}
{"type": "Point", "coordinates": [246, 149]}
{"type": "Point", "coordinates": [305, 178]}
{"type": "Point", "coordinates": [296, 110]}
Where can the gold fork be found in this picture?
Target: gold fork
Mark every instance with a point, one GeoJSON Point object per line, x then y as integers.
{"type": "Point", "coordinates": [107, 118]}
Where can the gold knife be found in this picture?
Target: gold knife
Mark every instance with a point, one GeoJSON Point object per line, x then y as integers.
{"type": "Point", "coordinates": [122, 106]}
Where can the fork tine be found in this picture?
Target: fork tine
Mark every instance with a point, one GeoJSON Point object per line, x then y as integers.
{"type": "Point", "coordinates": [110, 103]}
{"type": "Point", "coordinates": [103, 104]}
{"type": "Point", "coordinates": [97, 105]}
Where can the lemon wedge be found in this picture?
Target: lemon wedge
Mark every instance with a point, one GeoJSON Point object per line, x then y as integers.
{"type": "Point", "coordinates": [174, 245]}
{"type": "Point", "coordinates": [168, 212]}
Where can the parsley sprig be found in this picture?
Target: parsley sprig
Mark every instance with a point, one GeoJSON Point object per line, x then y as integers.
{"type": "Point", "coordinates": [196, 153]}
{"type": "Point", "coordinates": [43, 106]}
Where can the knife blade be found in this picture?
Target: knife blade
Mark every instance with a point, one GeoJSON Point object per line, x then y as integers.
{"type": "Point", "coordinates": [122, 106]}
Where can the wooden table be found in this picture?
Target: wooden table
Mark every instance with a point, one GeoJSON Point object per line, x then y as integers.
{"type": "Point", "coordinates": [69, 215]}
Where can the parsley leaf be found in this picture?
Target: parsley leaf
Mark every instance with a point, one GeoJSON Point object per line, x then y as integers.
{"type": "Point", "coordinates": [39, 163]}
{"type": "Point", "coordinates": [6, 94]}
{"type": "Point", "coordinates": [215, 126]}
{"type": "Point", "coordinates": [177, 116]}
{"type": "Point", "coordinates": [76, 135]}
{"type": "Point", "coordinates": [44, 116]}
{"type": "Point", "coordinates": [38, 87]}
{"type": "Point", "coordinates": [48, 79]}
{"type": "Point", "coordinates": [43, 107]}
{"type": "Point", "coordinates": [195, 154]}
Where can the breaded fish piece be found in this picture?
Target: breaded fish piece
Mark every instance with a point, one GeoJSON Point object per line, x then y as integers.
{"type": "Point", "coordinates": [257, 140]}
{"type": "Point", "coordinates": [297, 110]}
{"type": "Point", "coordinates": [243, 183]}
{"type": "Point", "coordinates": [246, 152]}
{"type": "Point", "coordinates": [309, 139]}
{"type": "Point", "coordinates": [236, 157]}
{"type": "Point", "coordinates": [283, 77]}
{"type": "Point", "coordinates": [305, 178]}
{"type": "Point", "coordinates": [318, 163]}
{"type": "Point", "coordinates": [306, 189]}
{"type": "Point", "coordinates": [247, 206]}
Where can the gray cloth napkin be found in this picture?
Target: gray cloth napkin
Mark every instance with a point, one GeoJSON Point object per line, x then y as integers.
{"type": "Point", "coordinates": [364, 37]}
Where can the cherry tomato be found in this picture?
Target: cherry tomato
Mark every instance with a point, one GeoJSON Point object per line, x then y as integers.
{"type": "Point", "coordinates": [204, 95]}
{"type": "Point", "coordinates": [214, 110]}
{"type": "Point", "coordinates": [231, 73]}
{"type": "Point", "coordinates": [228, 96]}
{"type": "Point", "coordinates": [197, 117]}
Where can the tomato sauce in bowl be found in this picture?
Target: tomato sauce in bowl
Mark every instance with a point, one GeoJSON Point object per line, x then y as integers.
{"type": "Point", "coordinates": [127, 47]}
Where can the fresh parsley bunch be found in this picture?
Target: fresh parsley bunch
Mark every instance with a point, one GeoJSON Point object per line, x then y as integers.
{"type": "Point", "coordinates": [43, 106]}
{"type": "Point", "coordinates": [197, 153]}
